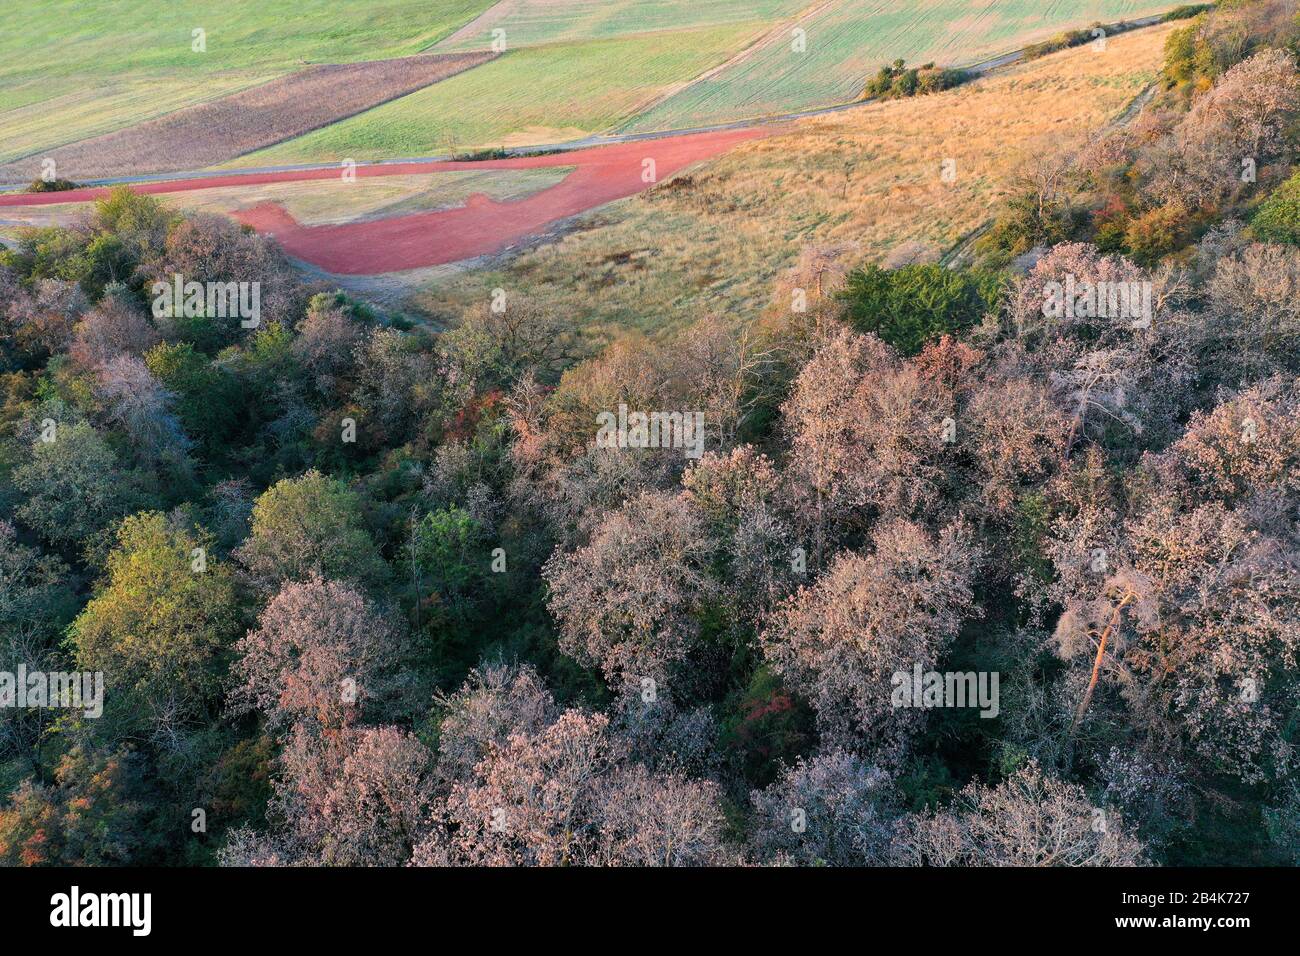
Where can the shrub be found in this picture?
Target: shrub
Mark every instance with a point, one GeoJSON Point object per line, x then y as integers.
{"type": "Point", "coordinates": [52, 186]}
{"type": "Point", "coordinates": [911, 306]}
{"type": "Point", "coordinates": [1155, 234]}
{"type": "Point", "coordinates": [1187, 11]}
{"type": "Point", "coordinates": [896, 81]}
{"type": "Point", "coordinates": [1029, 219]}
{"type": "Point", "coordinates": [1219, 36]}
{"type": "Point", "coordinates": [1065, 40]}
{"type": "Point", "coordinates": [1278, 217]}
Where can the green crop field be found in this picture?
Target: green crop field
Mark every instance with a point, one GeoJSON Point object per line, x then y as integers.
{"type": "Point", "coordinates": [531, 94]}
{"type": "Point", "coordinates": [847, 40]}
{"type": "Point", "coordinates": [73, 69]}
{"type": "Point", "coordinates": [70, 69]}
{"type": "Point", "coordinates": [532, 22]}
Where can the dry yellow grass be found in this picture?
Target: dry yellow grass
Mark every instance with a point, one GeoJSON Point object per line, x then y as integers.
{"type": "Point", "coordinates": [869, 176]}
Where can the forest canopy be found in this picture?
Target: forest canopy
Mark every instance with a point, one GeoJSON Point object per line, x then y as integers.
{"type": "Point", "coordinates": [366, 590]}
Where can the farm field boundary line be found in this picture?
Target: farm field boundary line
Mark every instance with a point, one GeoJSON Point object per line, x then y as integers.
{"type": "Point", "coordinates": [596, 156]}
{"type": "Point", "coordinates": [288, 173]}
{"type": "Point", "coordinates": [764, 38]}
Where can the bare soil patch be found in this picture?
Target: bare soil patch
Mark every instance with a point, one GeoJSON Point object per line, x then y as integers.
{"type": "Point", "coordinates": [480, 227]}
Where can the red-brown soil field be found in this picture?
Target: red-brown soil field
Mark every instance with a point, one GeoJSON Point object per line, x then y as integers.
{"type": "Point", "coordinates": [480, 227]}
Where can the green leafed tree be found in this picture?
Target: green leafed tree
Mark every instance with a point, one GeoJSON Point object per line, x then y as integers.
{"type": "Point", "coordinates": [71, 485]}
{"type": "Point", "coordinates": [311, 525]}
{"type": "Point", "coordinates": [209, 398]}
{"type": "Point", "coordinates": [161, 625]}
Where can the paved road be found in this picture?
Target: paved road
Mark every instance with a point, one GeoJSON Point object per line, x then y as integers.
{"type": "Point", "coordinates": [599, 139]}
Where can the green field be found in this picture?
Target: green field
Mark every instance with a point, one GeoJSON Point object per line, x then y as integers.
{"type": "Point", "coordinates": [848, 40]}
{"type": "Point", "coordinates": [70, 69]}
{"type": "Point", "coordinates": [533, 22]}
{"type": "Point", "coordinates": [92, 110]}
{"type": "Point", "coordinates": [531, 94]}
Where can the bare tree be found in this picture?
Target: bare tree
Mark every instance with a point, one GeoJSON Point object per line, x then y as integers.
{"type": "Point", "coordinates": [841, 641]}
{"type": "Point", "coordinates": [1030, 819]}
{"type": "Point", "coordinates": [320, 651]}
{"type": "Point", "coordinates": [629, 602]}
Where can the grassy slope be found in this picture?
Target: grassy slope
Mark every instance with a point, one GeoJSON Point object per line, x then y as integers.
{"type": "Point", "coordinates": [849, 40]}
{"type": "Point", "coordinates": [870, 177]}
{"type": "Point", "coordinates": [74, 68]}
{"type": "Point", "coordinates": [531, 94]}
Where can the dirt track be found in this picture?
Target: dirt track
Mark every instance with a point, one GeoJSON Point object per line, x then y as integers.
{"type": "Point", "coordinates": [480, 227]}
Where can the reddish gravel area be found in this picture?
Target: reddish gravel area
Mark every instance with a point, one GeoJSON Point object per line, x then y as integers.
{"type": "Point", "coordinates": [212, 133]}
{"type": "Point", "coordinates": [481, 227]}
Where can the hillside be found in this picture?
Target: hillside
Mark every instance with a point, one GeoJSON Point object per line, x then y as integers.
{"type": "Point", "coordinates": [910, 486]}
{"type": "Point", "coordinates": [73, 73]}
